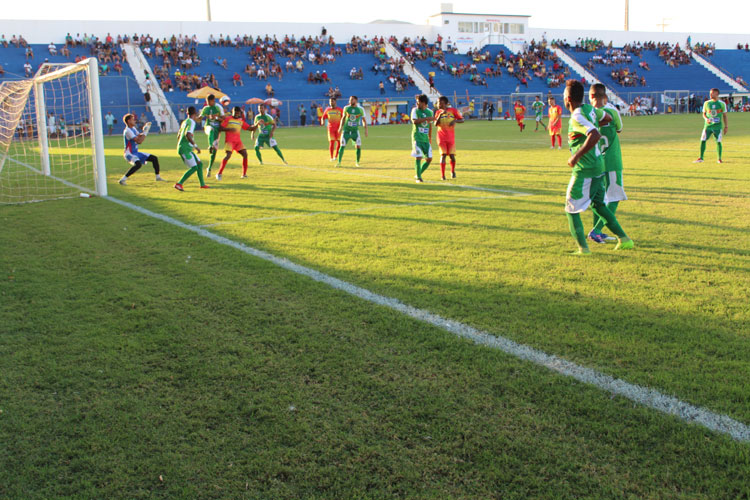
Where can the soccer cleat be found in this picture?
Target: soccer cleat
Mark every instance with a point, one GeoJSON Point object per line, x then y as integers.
{"type": "Point", "coordinates": [559, 147]}
{"type": "Point", "coordinates": [179, 187]}
{"type": "Point", "coordinates": [285, 162]}
{"type": "Point", "coordinates": [552, 147]}
{"type": "Point", "coordinates": [444, 178]}
{"type": "Point", "coordinates": [356, 164]}
{"type": "Point", "coordinates": [453, 175]}
{"type": "Point", "coordinates": [418, 180]}
{"type": "Point", "coordinates": [218, 177]}
{"type": "Point", "coordinates": [205, 186]}
{"type": "Point", "coordinates": [699, 160]}
{"type": "Point", "coordinates": [123, 182]}
{"type": "Point", "coordinates": [338, 164]}
{"type": "Point", "coordinates": [624, 244]}
{"type": "Point", "coordinates": [243, 176]}
{"type": "Point", "coordinates": [719, 161]}
{"type": "Point", "coordinates": [607, 237]}
{"type": "Point", "coordinates": [596, 237]}
{"type": "Point", "coordinates": [159, 178]}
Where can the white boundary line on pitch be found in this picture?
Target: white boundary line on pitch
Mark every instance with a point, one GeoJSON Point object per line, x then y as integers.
{"type": "Point", "coordinates": [435, 183]}
{"type": "Point", "coordinates": [642, 395]}
{"type": "Point", "coordinates": [356, 210]}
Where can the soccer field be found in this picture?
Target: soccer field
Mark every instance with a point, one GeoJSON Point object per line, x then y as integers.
{"type": "Point", "coordinates": [143, 360]}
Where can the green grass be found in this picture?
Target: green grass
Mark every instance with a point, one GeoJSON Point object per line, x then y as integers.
{"type": "Point", "coordinates": [133, 349]}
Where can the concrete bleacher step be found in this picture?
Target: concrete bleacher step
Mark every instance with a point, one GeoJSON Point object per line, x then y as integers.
{"type": "Point", "coordinates": [716, 71]}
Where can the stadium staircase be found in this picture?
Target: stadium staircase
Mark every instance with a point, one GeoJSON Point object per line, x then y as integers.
{"type": "Point", "coordinates": [590, 77]}
{"type": "Point", "coordinates": [139, 66]}
{"type": "Point", "coordinates": [716, 71]}
{"type": "Point", "coordinates": [411, 70]}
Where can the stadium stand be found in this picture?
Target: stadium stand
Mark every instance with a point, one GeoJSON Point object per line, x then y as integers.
{"type": "Point", "coordinates": [636, 69]}
{"type": "Point", "coordinates": [120, 93]}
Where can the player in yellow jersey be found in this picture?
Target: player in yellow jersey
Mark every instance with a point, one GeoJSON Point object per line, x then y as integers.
{"type": "Point", "coordinates": [232, 126]}
{"type": "Point", "coordinates": [334, 115]}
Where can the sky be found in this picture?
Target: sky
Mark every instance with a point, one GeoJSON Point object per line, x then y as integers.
{"type": "Point", "coordinates": [726, 16]}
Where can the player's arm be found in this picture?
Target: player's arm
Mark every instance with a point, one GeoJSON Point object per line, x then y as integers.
{"type": "Point", "coordinates": [617, 120]}
{"type": "Point", "coordinates": [270, 134]}
{"type": "Point", "coordinates": [364, 122]}
{"type": "Point", "coordinates": [190, 139]}
{"type": "Point", "coordinates": [592, 139]}
{"type": "Point", "coordinates": [726, 122]}
{"type": "Point", "coordinates": [323, 117]}
{"type": "Point", "coordinates": [459, 118]}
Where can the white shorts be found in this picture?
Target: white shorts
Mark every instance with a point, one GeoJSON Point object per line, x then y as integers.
{"type": "Point", "coordinates": [615, 190]}
{"type": "Point", "coordinates": [189, 159]}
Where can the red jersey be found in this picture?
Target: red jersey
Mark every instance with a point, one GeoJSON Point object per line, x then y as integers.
{"type": "Point", "coordinates": [555, 118]}
{"type": "Point", "coordinates": [334, 116]}
{"type": "Point", "coordinates": [443, 118]}
{"type": "Point", "coordinates": [234, 126]}
{"type": "Point", "coordinates": [520, 111]}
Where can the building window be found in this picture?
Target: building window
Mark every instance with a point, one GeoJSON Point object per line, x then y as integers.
{"type": "Point", "coordinates": [465, 27]}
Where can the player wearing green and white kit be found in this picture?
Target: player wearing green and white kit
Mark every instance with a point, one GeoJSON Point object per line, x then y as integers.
{"type": "Point", "coordinates": [265, 127]}
{"type": "Point", "coordinates": [353, 115]}
{"type": "Point", "coordinates": [185, 147]}
{"type": "Point", "coordinates": [212, 112]}
{"type": "Point", "coordinates": [538, 107]}
{"type": "Point", "coordinates": [614, 192]}
{"type": "Point", "coordinates": [586, 185]}
{"type": "Point", "coordinates": [713, 112]}
{"type": "Point", "coordinates": [421, 135]}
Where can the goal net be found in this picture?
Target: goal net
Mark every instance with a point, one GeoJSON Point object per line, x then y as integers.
{"type": "Point", "coordinates": [51, 143]}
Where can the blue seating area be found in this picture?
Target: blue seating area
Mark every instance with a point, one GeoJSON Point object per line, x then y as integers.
{"type": "Point", "coordinates": [448, 84]}
{"type": "Point", "coordinates": [119, 94]}
{"type": "Point", "coordinates": [660, 77]}
{"type": "Point", "coordinates": [293, 84]}
{"type": "Point", "coordinates": [735, 63]}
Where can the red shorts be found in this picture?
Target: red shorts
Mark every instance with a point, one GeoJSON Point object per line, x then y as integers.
{"type": "Point", "coordinates": [233, 146]}
{"type": "Point", "coordinates": [447, 146]}
{"type": "Point", "coordinates": [555, 130]}
{"type": "Point", "coordinates": [333, 134]}
{"type": "Point", "coordinates": [520, 119]}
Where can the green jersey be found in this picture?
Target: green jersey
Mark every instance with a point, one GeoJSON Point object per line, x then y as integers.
{"type": "Point", "coordinates": [352, 117]}
{"type": "Point", "coordinates": [265, 124]}
{"type": "Point", "coordinates": [582, 121]}
{"type": "Point", "coordinates": [183, 144]}
{"type": "Point", "coordinates": [538, 107]}
{"type": "Point", "coordinates": [212, 110]}
{"type": "Point", "coordinates": [712, 112]}
{"type": "Point", "coordinates": [420, 132]}
{"type": "Point", "coordinates": [610, 143]}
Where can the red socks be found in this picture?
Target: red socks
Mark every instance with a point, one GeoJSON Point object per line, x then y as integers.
{"type": "Point", "coordinates": [223, 164]}
{"type": "Point", "coordinates": [442, 169]}
{"type": "Point", "coordinates": [244, 166]}
{"type": "Point", "coordinates": [333, 148]}
{"type": "Point", "coordinates": [453, 166]}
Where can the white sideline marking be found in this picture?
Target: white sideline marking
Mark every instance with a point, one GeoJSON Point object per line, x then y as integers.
{"type": "Point", "coordinates": [355, 210]}
{"type": "Point", "coordinates": [436, 183]}
{"type": "Point", "coordinates": [642, 395]}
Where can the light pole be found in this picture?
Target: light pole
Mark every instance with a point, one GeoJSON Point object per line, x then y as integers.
{"type": "Point", "coordinates": [627, 15]}
{"type": "Point", "coordinates": [208, 9]}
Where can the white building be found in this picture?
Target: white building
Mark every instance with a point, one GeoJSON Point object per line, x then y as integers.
{"type": "Point", "coordinates": [467, 31]}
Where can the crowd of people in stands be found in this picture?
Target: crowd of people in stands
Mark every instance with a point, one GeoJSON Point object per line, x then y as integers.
{"type": "Point", "coordinates": [745, 47]}
{"type": "Point", "coordinates": [704, 49]}
{"type": "Point", "coordinates": [673, 56]}
{"type": "Point", "coordinates": [627, 78]}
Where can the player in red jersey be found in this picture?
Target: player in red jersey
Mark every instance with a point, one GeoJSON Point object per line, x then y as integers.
{"type": "Point", "coordinates": [446, 119]}
{"type": "Point", "coordinates": [232, 126]}
{"type": "Point", "coordinates": [520, 110]}
{"type": "Point", "coordinates": [334, 115]}
{"type": "Point", "coordinates": [555, 122]}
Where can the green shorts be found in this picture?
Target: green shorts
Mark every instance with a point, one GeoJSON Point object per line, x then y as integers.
{"type": "Point", "coordinates": [213, 136]}
{"type": "Point", "coordinates": [582, 191]}
{"type": "Point", "coordinates": [712, 130]}
{"type": "Point", "coordinates": [421, 149]}
{"type": "Point", "coordinates": [352, 135]}
{"type": "Point", "coordinates": [189, 158]}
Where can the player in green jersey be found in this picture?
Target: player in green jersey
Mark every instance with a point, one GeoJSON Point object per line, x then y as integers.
{"type": "Point", "coordinates": [586, 187]}
{"type": "Point", "coordinates": [714, 111]}
{"type": "Point", "coordinates": [265, 127]}
{"type": "Point", "coordinates": [538, 107]}
{"type": "Point", "coordinates": [353, 115]}
{"type": "Point", "coordinates": [421, 135]}
{"type": "Point", "coordinates": [186, 147]}
{"type": "Point", "coordinates": [212, 113]}
{"type": "Point", "coordinates": [614, 192]}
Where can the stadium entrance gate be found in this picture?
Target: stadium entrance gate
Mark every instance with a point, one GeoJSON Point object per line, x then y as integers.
{"type": "Point", "coordinates": [675, 101]}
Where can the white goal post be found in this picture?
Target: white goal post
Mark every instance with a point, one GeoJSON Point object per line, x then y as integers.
{"type": "Point", "coordinates": [51, 134]}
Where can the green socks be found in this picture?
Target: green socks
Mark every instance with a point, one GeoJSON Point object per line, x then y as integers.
{"type": "Point", "coordinates": [359, 154]}
{"type": "Point", "coordinates": [199, 169]}
{"type": "Point", "coordinates": [418, 167]}
{"type": "Point", "coordinates": [703, 148]}
{"type": "Point", "coordinates": [278, 152]}
{"type": "Point", "coordinates": [257, 154]}
{"type": "Point", "coordinates": [341, 153]}
{"type": "Point", "coordinates": [599, 222]}
{"type": "Point", "coordinates": [718, 148]}
{"type": "Point", "coordinates": [576, 230]}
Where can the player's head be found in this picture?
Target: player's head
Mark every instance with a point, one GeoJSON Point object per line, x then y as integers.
{"type": "Point", "coordinates": [714, 93]}
{"type": "Point", "coordinates": [443, 102]}
{"type": "Point", "coordinates": [353, 100]}
{"type": "Point", "coordinates": [537, 98]}
{"type": "Point", "coordinates": [192, 112]}
{"type": "Point", "coordinates": [551, 100]}
{"type": "Point", "coordinates": [598, 95]}
{"type": "Point", "coordinates": [262, 108]}
{"type": "Point", "coordinates": [128, 120]}
{"type": "Point", "coordinates": [422, 101]}
{"type": "Point", "coordinates": [573, 95]}
{"type": "Point", "coordinates": [237, 112]}
{"type": "Point", "coordinates": [211, 99]}
{"type": "Point", "coordinates": [332, 102]}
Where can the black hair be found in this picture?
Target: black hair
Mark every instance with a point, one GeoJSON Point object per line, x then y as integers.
{"type": "Point", "coordinates": [191, 111]}
{"type": "Point", "coordinates": [575, 90]}
{"type": "Point", "coordinates": [423, 99]}
{"type": "Point", "coordinates": [444, 99]}
{"type": "Point", "coordinates": [599, 89]}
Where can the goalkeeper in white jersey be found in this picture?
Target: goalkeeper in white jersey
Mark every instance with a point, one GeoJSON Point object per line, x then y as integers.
{"type": "Point", "coordinates": [133, 139]}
